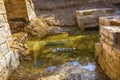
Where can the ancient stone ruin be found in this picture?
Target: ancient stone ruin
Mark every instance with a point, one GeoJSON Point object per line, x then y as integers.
{"type": "Point", "coordinates": [17, 16]}
{"type": "Point", "coordinates": [108, 50]}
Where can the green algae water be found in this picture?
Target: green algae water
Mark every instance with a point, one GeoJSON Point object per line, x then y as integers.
{"type": "Point", "coordinates": [52, 52]}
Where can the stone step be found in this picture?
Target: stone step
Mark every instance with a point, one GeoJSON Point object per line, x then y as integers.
{"type": "Point", "coordinates": [90, 18]}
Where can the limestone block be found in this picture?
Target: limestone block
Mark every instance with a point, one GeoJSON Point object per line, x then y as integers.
{"type": "Point", "coordinates": [107, 48]}
{"type": "Point", "coordinates": [109, 21]}
{"type": "Point", "coordinates": [5, 31]}
{"type": "Point", "coordinates": [2, 19]}
{"type": "Point", "coordinates": [116, 53]}
{"type": "Point", "coordinates": [2, 40]}
{"type": "Point", "coordinates": [8, 59]}
{"type": "Point", "coordinates": [2, 9]}
{"type": "Point", "coordinates": [16, 55]}
{"type": "Point", "coordinates": [3, 66]}
{"type": "Point", "coordinates": [5, 18]}
{"type": "Point", "coordinates": [98, 49]}
{"type": "Point", "coordinates": [16, 10]}
{"type": "Point", "coordinates": [102, 60]}
{"type": "Point", "coordinates": [113, 67]}
{"type": "Point", "coordinates": [4, 49]}
{"type": "Point", "coordinates": [106, 66]}
{"type": "Point", "coordinates": [104, 39]}
{"type": "Point", "coordinates": [22, 12]}
{"type": "Point", "coordinates": [111, 33]}
{"type": "Point", "coordinates": [14, 60]}
{"type": "Point", "coordinates": [90, 18]}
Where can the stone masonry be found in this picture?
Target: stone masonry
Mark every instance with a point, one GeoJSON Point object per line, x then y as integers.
{"type": "Point", "coordinates": [9, 59]}
{"type": "Point", "coordinates": [19, 13]}
{"type": "Point", "coordinates": [19, 9]}
{"type": "Point", "coordinates": [108, 49]}
{"type": "Point", "coordinates": [90, 18]}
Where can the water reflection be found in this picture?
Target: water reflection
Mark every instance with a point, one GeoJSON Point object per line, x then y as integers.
{"type": "Point", "coordinates": [75, 70]}
{"type": "Point", "coordinates": [63, 49]}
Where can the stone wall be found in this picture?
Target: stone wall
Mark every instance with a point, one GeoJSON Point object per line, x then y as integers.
{"type": "Point", "coordinates": [9, 59]}
{"type": "Point", "coordinates": [108, 49]}
{"type": "Point", "coordinates": [19, 13]}
{"type": "Point", "coordinates": [19, 10]}
{"type": "Point", "coordinates": [16, 10]}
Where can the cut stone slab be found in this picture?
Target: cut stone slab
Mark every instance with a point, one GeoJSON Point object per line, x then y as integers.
{"type": "Point", "coordinates": [90, 18]}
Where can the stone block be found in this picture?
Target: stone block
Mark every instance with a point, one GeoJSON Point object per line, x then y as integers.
{"type": "Point", "coordinates": [2, 39]}
{"type": "Point", "coordinates": [104, 39]}
{"type": "Point", "coordinates": [4, 49]}
{"type": "Point", "coordinates": [3, 66]}
{"type": "Point", "coordinates": [107, 48]}
{"type": "Point", "coordinates": [14, 60]}
{"type": "Point", "coordinates": [5, 31]}
{"type": "Point", "coordinates": [111, 33]}
{"type": "Point", "coordinates": [116, 53]}
{"type": "Point", "coordinates": [109, 20]}
{"type": "Point", "coordinates": [108, 64]}
{"type": "Point", "coordinates": [90, 18]}
{"type": "Point", "coordinates": [5, 18]}
{"type": "Point", "coordinates": [113, 67]}
{"type": "Point", "coordinates": [98, 50]}
{"type": "Point", "coordinates": [2, 9]}
{"type": "Point", "coordinates": [8, 59]}
{"type": "Point", "coordinates": [2, 19]}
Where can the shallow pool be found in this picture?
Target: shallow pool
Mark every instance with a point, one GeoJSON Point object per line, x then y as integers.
{"type": "Point", "coordinates": [53, 54]}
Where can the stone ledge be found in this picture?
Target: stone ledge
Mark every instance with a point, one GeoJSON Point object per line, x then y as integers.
{"type": "Point", "coordinates": [109, 21]}
{"type": "Point", "coordinates": [90, 18]}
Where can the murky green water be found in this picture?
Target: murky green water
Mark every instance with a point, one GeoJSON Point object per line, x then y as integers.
{"type": "Point", "coordinates": [56, 50]}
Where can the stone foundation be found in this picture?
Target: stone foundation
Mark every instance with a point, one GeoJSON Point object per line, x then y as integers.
{"type": "Point", "coordinates": [90, 18]}
{"type": "Point", "coordinates": [108, 50]}
{"type": "Point", "coordinates": [9, 59]}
